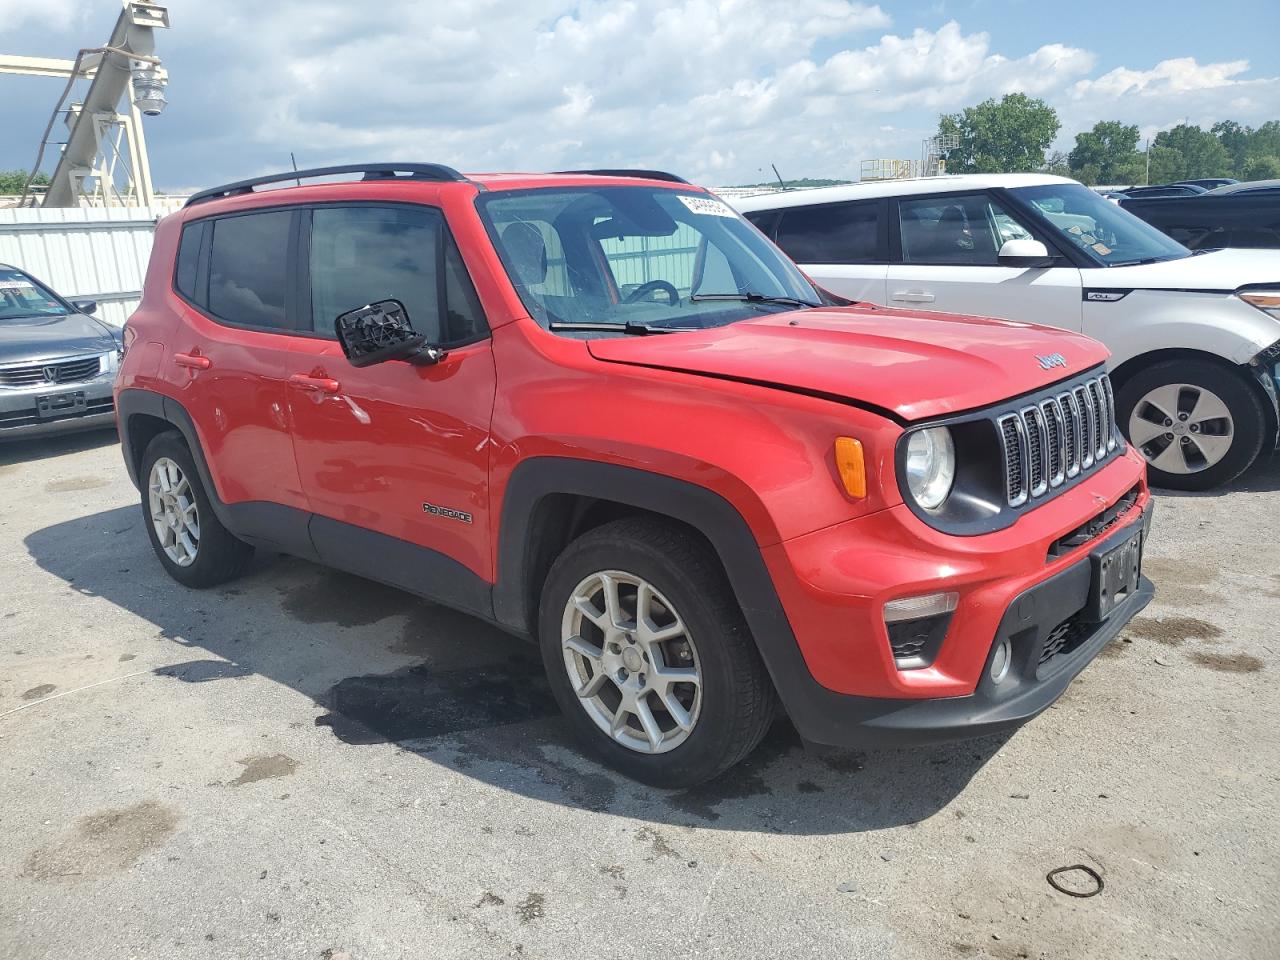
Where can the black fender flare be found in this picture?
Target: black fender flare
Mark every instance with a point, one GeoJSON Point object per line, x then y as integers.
{"type": "Point", "coordinates": [133, 402]}
{"type": "Point", "coordinates": [268, 525]}
{"type": "Point", "coordinates": [724, 527]}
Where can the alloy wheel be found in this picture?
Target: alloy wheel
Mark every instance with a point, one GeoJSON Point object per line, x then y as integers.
{"type": "Point", "coordinates": [1181, 428]}
{"type": "Point", "coordinates": [174, 513]}
{"type": "Point", "coordinates": [631, 662]}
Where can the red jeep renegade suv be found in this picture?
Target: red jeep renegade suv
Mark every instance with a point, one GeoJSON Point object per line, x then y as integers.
{"type": "Point", "coordinates": [599, 409]}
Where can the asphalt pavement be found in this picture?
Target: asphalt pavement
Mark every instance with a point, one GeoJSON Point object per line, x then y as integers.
{"type": "Point", "coordinates": [306, 765]}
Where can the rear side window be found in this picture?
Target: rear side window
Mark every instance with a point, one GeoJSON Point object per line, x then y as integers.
{"type": "Point", "coordinates": [189, 260]}
{"type": "Point", "coordinates": [363, 254]}
{"type": "Point", "coordinates": [247, 269]}
{"type": "Point", "coordinates": [834, 233]}
{"type": "Point", "coordinates": [956, 229]}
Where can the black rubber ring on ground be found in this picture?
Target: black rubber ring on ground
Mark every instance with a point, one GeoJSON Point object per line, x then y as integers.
{"type": "Point", "coordinates": [1052, 877]}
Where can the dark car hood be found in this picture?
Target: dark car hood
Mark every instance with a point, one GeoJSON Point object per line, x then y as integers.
{"type": "Point", "coordinates": [43, 338]}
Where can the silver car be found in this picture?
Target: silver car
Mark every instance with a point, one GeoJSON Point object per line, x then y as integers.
{"type": "Point", "coordinates": [57, 362]}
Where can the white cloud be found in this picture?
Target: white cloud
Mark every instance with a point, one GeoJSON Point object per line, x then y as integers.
{"type": "Point", "coordinates": [713, 89]}
{"type": "Point", "coordinates": [1173, 91]}
{"type": "Point", "coordinates": [58, 14]}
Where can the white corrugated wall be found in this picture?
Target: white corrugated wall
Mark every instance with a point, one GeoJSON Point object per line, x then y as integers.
{"type": "Point", "coordinates": [83, 253]}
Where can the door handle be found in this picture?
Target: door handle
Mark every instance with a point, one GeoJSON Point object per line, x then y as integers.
{"type": "Point", "coordinates": [912, 296]}
{"type": "Point", "coordinates": [316, 384]}
{"type": "Point", "coordinates": [193, 361]}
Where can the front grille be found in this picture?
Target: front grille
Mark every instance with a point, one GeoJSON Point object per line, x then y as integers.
{"type": "Point", "coordinates": [1011, 433]}
{"type": "Point", "coordinates": [1065, 637]}
{"type": "Point", "coordinates": [73, 370]}
{"type": "Point", "coordinates": [1048, 444]}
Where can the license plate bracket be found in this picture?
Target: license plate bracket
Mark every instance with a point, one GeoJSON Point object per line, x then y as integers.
{"type": "Point", "coordinates": [61, 404]}
{"type": "Point", "coordinates": [1116, 574]}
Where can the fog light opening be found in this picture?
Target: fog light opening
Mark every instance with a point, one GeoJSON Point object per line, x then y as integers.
{"type": "Point", "coordinates": [1001, 660]}
{"type": "Point", "coordinates": [917, 626]}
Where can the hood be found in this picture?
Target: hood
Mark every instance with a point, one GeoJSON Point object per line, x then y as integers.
{"type": "Point", "coordinates": [42, 338]}
{"type": "Point", "coordinates": [908, 364]}
{"type": "Point", "coordinates": [1218, 270]}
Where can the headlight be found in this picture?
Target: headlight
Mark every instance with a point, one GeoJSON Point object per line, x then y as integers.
{"type": "Point", "coordinates": [931, 466]}
{"type": "Point", "coordinates": [1268, 301]}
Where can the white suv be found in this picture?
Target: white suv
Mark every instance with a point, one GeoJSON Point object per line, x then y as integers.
{"type": "Point", "coordinates": [1194, 337]}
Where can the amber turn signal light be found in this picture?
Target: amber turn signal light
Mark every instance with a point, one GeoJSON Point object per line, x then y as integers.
{"type": "Point", "coordinates": [851, 467]}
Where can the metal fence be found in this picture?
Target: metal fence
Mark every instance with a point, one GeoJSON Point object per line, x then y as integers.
{"type": "Point", "coordinates": [83, 254]}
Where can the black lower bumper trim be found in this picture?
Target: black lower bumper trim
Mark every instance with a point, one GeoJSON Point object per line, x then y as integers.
{"type": "Point", "coordinates": [1030, 687]}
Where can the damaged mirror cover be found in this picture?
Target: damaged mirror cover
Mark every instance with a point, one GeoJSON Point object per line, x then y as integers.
{"type": "Point", "coordinates": [381, 331]}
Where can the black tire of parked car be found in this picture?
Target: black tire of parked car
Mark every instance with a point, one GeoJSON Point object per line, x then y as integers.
{"type": "Point", "coordinates": [220, 556]}
{"type": "Point", "coordinates": [739, 703]}
{"type": "Point", "coordinates": [1233, 388]}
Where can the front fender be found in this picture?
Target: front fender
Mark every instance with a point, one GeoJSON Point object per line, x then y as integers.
{"type": "Point", "coordinates": [1217, 323]}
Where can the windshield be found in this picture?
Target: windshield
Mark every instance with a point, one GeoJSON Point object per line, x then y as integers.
{"type": "Point", "coordinates": [1102, 230]}
{"type": "Point", "coordinates": [638, 258]}
{"type": "Point", "coordinates": [20, 296]}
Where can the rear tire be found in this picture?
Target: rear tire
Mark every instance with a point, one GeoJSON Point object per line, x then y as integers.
{"type": "Point", "coordinates": [1198, 424]}
{"type": "Point", "coordinates": [607, 666]}
{"type": "Point", "coordinates": [192, 545]}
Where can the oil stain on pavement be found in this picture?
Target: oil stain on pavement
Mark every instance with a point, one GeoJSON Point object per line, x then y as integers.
{"type": "Point", "coordinates": [103, 843]}
{"type": "Point", "coordinates": [264, 768]}
{"type": "Point", "coordinates": [74, 484]}
{"type": "Point", "coordinates": [1173, 631]}
{"type": "Point", "coordinates": [420, 702]}
{"type": "Point", "coordinates": [1228, 662]}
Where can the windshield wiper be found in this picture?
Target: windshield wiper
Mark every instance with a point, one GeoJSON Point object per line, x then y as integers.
{"type": "Point", "coordinates": [753, 298]}
{"type": "Point", "coordinates": [630, 327]}
{"type": "Point", "coordinates": [1138, 263]}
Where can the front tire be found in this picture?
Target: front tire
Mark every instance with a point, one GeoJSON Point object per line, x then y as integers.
{"type": "Point", "coordinates": [649, 656]}
{"type": "Point", "coordinates": [1197, 423]}
{"type": "Point", "coordinates": [193, 546]}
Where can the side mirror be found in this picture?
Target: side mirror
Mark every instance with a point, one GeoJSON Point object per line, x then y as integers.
{"type": "Point", "coordinates": [381, 331]}
{"type": "Point", "coordinates": [85, 306]}
{"type": "Point", "coordinates": [1025, 253]}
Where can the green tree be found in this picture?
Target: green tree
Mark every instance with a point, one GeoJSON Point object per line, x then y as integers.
{"type": "Point", "coordinates": [1058, 165]}
{"type": "Point", "coordinates": [1186, 153]}
{"type": "Point", "coordinates": [1108, 154]}
{"type": "Point", "coordinates": [12, 181]}
{"type": "Point", "coordinates": [1260, 168]}
{"type": "Point", "coordinates": [1235, 139]}
{"type": "Point", "coordinates": [1009, 135]}
{"type": "Point", "coordinates": [1265, 141]}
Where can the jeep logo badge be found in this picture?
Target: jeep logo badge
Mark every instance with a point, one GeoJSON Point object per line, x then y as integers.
{"type": "Point", "coordinates": [1051, 361]}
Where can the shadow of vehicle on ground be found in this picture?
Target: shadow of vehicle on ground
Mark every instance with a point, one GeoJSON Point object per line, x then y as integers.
{"type": "Point", "coordinates": [386, 667]}
{"type": "Point", "coordinates": [42, 448]}
{"type": "Point", "coordinates": [1262, 477]}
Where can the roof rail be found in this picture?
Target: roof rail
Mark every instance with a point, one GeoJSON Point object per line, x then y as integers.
{"type": "Point", "coordinates": [641, 174]}
{"type": "Point", "coordinates": [371, 171]}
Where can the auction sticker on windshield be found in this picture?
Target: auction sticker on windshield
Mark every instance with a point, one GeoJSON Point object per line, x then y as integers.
{"type": "Point", "coordinates": [708, 206]}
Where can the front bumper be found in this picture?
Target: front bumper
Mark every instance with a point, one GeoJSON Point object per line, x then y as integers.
{"type": "Point", "coordinates": [1032, 686]}
{"type": "Point", "coordinates": [838, 678]}
{"type": "Point", "coordinates": [21, 418]}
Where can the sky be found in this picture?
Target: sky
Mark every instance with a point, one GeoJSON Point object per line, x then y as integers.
{"type": "Point", "coordinates": [714, 91]}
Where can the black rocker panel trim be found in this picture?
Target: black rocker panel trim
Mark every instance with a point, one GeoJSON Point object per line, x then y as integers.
{"type": "Point", "coordinates": [419, 570]}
